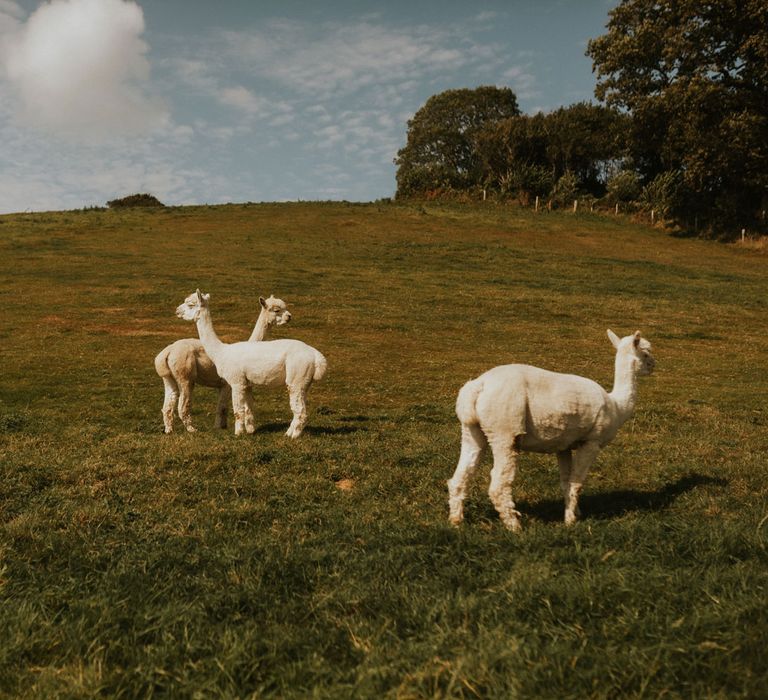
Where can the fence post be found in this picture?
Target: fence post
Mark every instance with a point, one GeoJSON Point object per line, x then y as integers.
{"type": "Point", "coordinates": [743, 231]}
{"type": "Point", "coordinates": [653, 216]}
{"type": "Point", "coordinates": [617, 209]}
{"type": "Point", "coordinates": [483, 194]}
{"type": "Point", "coordinates": [575, 205]}
{"type": "Point", "coordinates": [536, 208]}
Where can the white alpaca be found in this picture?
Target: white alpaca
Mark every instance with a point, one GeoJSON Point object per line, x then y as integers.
{"type": "Point", "coordinates": [185, 363]}
{"type": "Point", "coordinates": [519, 408]}
{"type": "Point", "coordinates": [245, 365]}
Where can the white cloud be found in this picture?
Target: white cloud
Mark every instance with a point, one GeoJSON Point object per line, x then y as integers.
{"type": "Point", "coordinates": [486, 16]}
{"type": "Point", "coordinates": [523, 82]}
{"type": "Point", "coordinates": [10, 18]}
{"type": "Point", "coordinates": [242, 98]}
{"type": "Point", "coordinates": [79, 68]}
{"type": "Point", "coordinates": [344, 58]}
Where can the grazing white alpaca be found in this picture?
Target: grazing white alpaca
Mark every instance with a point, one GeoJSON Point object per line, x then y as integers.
{"type": "Point", "coordinates": [185, 363]}
{"type": "Point", "coordinates": [245, 365]}
{"type": "Point", "coordinates": [519, 408]}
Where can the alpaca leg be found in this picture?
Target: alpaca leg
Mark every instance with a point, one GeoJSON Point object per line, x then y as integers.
{"type": "Point", "coordinates": [298, 400]}
{"type": "Point", "coordinates": [250, 422]}
{"type": "Point", "coordinates": [583, 457]}
{"type": "Point", "coordinates": [169, 403]}
{"type": "Point", "coordinates": [473, 443]}
{"type": "Point", "coordinates": [239, 406]}
{"type": "Point", "coordinates": [225, 396]}
{"type": "Point", "coordinates": [565, 462]}
{"type": "Point", "coordinates": [502, 475]}
{"type": "Point", "coordinates": [185, 396]}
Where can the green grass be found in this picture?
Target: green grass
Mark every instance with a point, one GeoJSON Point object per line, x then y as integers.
{"type": "Point", "coordinates": [135, 564]}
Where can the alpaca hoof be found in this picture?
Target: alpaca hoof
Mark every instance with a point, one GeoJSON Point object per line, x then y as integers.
{"type": "Point", "coordinates": [456, 520]}
{"type": "Point", "coordinates": [191, 429]}
{"type": "Point", "coordinates": [512, 522]}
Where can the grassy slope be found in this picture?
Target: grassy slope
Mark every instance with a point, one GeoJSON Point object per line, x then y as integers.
{"type": "Point", "coordinates": [133, 563]}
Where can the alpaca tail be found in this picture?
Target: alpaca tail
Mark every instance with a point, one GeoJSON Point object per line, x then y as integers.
{"type": "Point", "coordinates": [321, 365]}
{"type": "Point", "coordinates": [466, 402]}
{"type": "Point", "coordinates": [161, 362]}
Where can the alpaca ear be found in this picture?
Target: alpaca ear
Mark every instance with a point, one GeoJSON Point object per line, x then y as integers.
{"type": "Point", "coordinates": [263, 302]}
{"type": "Point", "coordinates": [199, 295]}
{"type": "Point", "coordinates": [613, 338]}
{"type": "Point", "coordinates": [636, 339]}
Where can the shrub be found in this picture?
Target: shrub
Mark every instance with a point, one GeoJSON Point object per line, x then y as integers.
{"type": "Point", "coordinates": [661, 193]}
{"type": "Point", "coordinates": [135, 200]}
{"type": "Point", "coordinates": [566, 189]}
{"type": "Point", "coordinates": [624, 187]}
{"type": "Point", "coordinates": [526, 181]}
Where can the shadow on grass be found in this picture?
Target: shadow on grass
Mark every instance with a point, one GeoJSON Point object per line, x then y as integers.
{"type": "Point", "coordinates": [311, 429]}
{"type": "Point", "coordinates": [613, 504]}
{"type": "Point", "coordinates": [604, 506]}
{"type": "Point", "coordinates": [686, 232]}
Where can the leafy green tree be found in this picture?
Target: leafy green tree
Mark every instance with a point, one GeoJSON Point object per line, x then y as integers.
{"type": "Point", "coordinates": [694, 76]}
{"type": "Point", "coordinates": [582, 140]}
{"type": "Point", "coordinates": [512, 146]}
{"type": "Point", "coordinates": [585, 140]}
{"type": "Point", "coordinates": [441, 149]}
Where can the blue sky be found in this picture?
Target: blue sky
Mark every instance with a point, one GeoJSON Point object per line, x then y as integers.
{"type": "Point", "coordinates": [211, 102]}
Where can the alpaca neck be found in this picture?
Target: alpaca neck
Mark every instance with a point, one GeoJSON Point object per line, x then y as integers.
{"type": "Point", "coordinates": [261, 327]}
{"type": "Point", "coordinates": [207, 334]}
{"type": "Point", "coordinates": [624, 392]}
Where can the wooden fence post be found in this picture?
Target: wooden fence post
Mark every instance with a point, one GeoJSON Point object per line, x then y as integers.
{"type": "Point", "coordinates": [536, 208]}
{"type": "Point", "coordinates": [575, 205]}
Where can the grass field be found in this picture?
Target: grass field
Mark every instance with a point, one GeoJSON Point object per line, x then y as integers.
{"type": "Point", "coordinates": [137, 564]}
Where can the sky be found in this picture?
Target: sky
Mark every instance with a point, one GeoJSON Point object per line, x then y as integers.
{"type": "Point", "coordinates": [203, 102]}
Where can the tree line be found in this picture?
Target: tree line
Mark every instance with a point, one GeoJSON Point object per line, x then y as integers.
{"type": "Point", "coordinates": [681, 127]}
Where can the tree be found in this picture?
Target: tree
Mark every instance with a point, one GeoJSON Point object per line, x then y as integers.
{"type": "Point", "coordinates": [694, 77]}
{"type": "Point", "coordinates": [585, 140]}
{"type": "Point", "coordinates": [441, 148]}
{"type": "Point", "coordinates": [510, 147]}
{"type": "Point", "coordinates": [581, 140]}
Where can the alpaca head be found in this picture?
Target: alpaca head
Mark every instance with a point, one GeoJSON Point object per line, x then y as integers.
{"type": "Point", "coordinates": [190, 309]}
{"type": "Point", "coordinates": [276, 311]}
{"type": "Point", "coordinates": [637, 349]}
